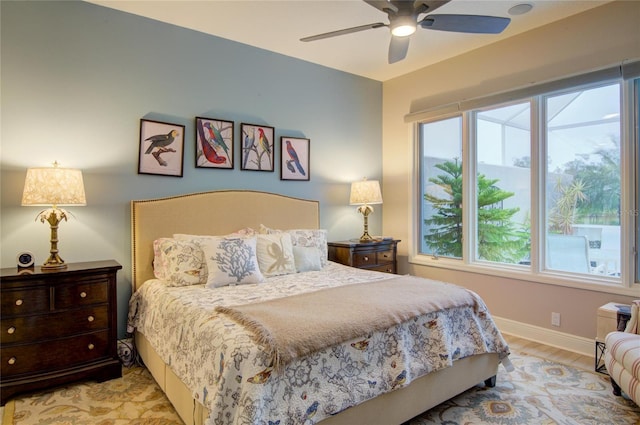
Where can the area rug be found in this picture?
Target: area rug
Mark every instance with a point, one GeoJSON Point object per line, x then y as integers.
{"type": "Point", "coordinates": [536, 392]}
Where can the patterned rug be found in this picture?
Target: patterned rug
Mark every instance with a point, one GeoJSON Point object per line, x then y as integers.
{"type": "Point", "coordinates": [536, 392]}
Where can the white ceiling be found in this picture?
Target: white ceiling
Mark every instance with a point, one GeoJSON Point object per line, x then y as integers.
{"type": "Point", "coordinates": [278, 25]}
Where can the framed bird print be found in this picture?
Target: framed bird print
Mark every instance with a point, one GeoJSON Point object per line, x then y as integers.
{"type": "Point", "coordinates": [294, 158]}
{"type": "Point", "coordinates": [214, 143]}
{"type": "Point", "coordinates": [161, 148]}
{"type": "Point", "coordinates": [257, 145]}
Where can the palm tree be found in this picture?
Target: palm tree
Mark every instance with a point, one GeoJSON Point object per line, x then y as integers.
{"type": "Point", "coordinates": [563, 214]}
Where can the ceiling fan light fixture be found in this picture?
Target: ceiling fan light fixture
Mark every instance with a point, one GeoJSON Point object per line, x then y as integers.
{"type": "Point", "coordinates": [403, 26]}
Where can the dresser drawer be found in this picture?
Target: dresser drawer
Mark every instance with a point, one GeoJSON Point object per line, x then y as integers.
{"type": "Point", "coordinates": [387, 268]}
{"type": "Point", "coordinates": [25, 301]}
{"type": "Point", "coordinates": [364, 259]}
{"type": "Point", "coordinates": [56, 354]}
{"type": "Point", "coordinates": [67, 296]}
{"type": "Point", "coordinates": [385, 256]}
{"type": "Point", "coordinates": [55, 325]}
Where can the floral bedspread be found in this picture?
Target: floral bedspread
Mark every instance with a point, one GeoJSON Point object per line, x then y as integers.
{"type": "Point", "coordinates": [231, 375]}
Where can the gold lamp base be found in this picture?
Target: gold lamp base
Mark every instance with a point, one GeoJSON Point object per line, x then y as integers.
{"type": "Point", "coordinates": [53, 216]}
{"type": "Point", "coordinates": [365, 210]}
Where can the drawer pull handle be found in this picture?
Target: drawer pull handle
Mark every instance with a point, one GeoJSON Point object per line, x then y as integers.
{"type": "Point", "coordinates": [385, 255]}
{"type": "Point", "coordinates": [11, 330]}
{"type": "Point", "coordinates": [90, 318]}
{"type": "Point", "coordinates": [12, 360]}
{"type": "Point", "coordinates": [366, 258]}
{"type": "Point", "coordinates": [91, 346]}
{"type": "Point", "coordinates": [83, 294]}
{"type": "Point", "coordinates": [18, 302]}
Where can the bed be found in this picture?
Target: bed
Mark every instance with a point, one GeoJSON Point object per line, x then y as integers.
{"type": "Point", "coordinates": [209, 380]}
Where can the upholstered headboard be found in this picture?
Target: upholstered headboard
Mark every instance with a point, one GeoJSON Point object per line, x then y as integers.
{"type": "Point", "coordinates": [211, 213]}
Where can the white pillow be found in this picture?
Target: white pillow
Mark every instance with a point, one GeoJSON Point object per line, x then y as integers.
{"type": "Point", "coordinates": [307, 258]}
{"type": "Point", "coordinates": [275, 254]}
{"type": "Point", "coordinates": [178, 262]}
{"type": "Point", "coordinates": [230, 260]}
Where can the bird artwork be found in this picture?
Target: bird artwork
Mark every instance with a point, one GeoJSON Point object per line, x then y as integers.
{"type": "Point", "coordinates": [400, 379]}
{"type": "Point", "coordinates": [260, 377]}
{"type": "Point", "coordinates": [161, 141]}
{"type": "Point", "coordinates": [264, 142]}
{"type": "Point", "coordinates": [294, 158]}
{"type": "Point", "coordinates": [216, 138]}
{"type": "Point", "coordinates": [247, 147]}
{"type": "Point", "coordinates": [208, 148]}
{"type": "Point", "coordinates": [311, 411]}
{"type": "Point", "coordinates": [360, 345]}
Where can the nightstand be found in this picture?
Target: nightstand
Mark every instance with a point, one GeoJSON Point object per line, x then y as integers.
{"type": "Point", "coordinates": [57, 326]}
{"type": "Point", "coordinates": [377, 255]}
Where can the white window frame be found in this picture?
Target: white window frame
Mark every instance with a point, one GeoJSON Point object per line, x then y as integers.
{"type": "Point", "coordinates": [628, 283]}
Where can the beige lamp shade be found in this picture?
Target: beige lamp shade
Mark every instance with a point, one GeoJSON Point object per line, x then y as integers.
{"type": "Point", "coordinates": [365, 192]}
{"type": "Point", "coordinates": [53, 186]}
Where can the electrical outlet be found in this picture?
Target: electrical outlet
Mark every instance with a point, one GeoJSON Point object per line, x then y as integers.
{"type": "Point", "coordinates": [555, 319]}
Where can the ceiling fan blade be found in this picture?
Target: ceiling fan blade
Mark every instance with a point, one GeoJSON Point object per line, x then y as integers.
{"type": "Point", "coordinates": [477, 24]}
{"type": "Point", "coordinates": [344, 31]}
{"type": "Point", "coordinates": [398, 48]}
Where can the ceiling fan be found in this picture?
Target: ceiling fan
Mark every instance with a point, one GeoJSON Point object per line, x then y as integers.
{"type": "Point", "coordinates": [403, 21]}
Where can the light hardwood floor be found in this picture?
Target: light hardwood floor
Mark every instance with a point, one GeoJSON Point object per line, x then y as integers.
{"type": "Point", "coordinates": [525, 346]}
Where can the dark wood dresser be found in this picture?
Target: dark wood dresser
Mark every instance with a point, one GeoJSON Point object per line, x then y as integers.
{"type": "Point", "coordinates": [57, 326]}
{"type": "Point", "coordinates": [377, 255]}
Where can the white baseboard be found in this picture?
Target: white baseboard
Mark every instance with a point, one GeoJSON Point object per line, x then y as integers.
{"type": "Point", "coordinates": [576, 344]}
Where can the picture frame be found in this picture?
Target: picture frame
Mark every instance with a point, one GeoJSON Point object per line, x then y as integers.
{"type": "Point", "coordinates": [161, 148]}
{"type": "Point", "coordinates": [214, 143]}
{"type": "Point", "coordinates": [256, 147]}
{"type": "Point", "coordinates": [294, 158]}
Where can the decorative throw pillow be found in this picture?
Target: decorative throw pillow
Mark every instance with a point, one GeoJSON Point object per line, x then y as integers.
{"type": "Point", "coordinates": [305, 237]}
{"type": "Point", "coordinates": [312, 238]}
{"type": "Point", "coordinates": [275, 255]}
{"type": "Point", "coordinates": [307, 258]}
{"type": "Point", "coordinates": [178, 263]}
{"type": "Point", "coordinates": [230, 261]}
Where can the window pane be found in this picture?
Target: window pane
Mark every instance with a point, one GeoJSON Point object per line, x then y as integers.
{"type": "Point", "coordinates": [441, 188]}
{"type": "Point", "coordinates": [503, 184]}
{"type": "Point", "coordinates": [583, 181]}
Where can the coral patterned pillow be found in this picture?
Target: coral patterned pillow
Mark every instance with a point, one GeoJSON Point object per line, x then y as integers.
{"type": "Point", "coordinates": [230, 261]}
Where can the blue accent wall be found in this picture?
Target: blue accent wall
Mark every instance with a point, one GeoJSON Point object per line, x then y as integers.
{"type": "Point", "coordinates": [76, 79]}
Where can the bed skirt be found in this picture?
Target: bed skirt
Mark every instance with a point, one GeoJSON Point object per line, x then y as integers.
{"type": "Point", "coordinates": [395, 407]}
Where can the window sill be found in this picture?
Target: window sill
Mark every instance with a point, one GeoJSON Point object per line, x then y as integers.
{"type": "Point", "coordinates": [609, 285]}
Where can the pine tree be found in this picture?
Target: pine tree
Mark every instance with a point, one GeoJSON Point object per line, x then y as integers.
{"type": "Point", "coordinates": [499, 239]}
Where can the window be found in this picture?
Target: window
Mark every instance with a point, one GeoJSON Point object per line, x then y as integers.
{"type": "Point", "coordinates": [442, 188]}
{"type": "Point", "coordinates": [582, 129]}
{"type": "Point", "coordinates": [503, 184]}
{"type": "Point", "coordinates": [533, 186]}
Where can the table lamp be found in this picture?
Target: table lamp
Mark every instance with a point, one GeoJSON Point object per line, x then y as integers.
{"type": "Point", "coordinates": [53, 187]}
{"type": "Point", "coordinates": [365, 193]}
